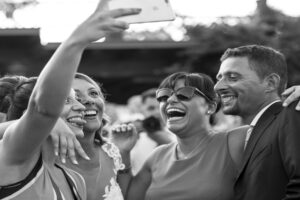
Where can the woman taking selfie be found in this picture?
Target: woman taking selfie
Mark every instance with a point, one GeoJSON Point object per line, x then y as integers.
{"type": "Point", "coordinates": [22, 162]}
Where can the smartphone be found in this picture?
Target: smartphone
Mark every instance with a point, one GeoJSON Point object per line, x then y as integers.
{"type": "Point", "coordinates": [152, 10]}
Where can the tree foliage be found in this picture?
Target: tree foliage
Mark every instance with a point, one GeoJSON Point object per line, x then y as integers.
{"type": "Point", "coordinates": [228, 32]}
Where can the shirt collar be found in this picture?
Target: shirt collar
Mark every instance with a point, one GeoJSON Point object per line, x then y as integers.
{"type": "Point", "coordinates": [261, 112]}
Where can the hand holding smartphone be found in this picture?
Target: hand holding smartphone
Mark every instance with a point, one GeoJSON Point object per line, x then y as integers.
{"type": "Point", "coordinates": [152, 10]}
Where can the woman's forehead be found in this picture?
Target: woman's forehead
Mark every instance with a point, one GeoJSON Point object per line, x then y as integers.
{"type": "Point", "coordinates": [84, 84]}
{"type": "Point", "coordinates": [179, 83]}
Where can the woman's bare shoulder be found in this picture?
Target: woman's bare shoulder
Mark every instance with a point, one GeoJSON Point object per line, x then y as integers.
{"type": "Point", "coordinates": [236, 142]}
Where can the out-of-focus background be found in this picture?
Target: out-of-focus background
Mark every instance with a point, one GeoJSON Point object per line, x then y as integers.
{"type": "Point", "coordinates": [127, 64]}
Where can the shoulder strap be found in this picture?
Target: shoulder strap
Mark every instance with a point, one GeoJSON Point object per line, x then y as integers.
{"type": "Point", "coordinates": [56, 189]}
{"type": "Point", "coordinates": [71, 184]}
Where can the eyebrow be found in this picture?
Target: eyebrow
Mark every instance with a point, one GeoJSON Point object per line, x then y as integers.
{"type": "Point", "coordinates": [227, 74]}
{"type": "Point", "coordinates": [91, 88]}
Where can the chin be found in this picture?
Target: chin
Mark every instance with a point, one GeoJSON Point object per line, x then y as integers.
{"type": "Point", "coordinates": [92, 127]}
{"type": "Point", "coordinates": [230, 111]}
{"type": "Point", "coordinates": [76, 130]}
{"type": "Point", "coordinates": [174, 129]}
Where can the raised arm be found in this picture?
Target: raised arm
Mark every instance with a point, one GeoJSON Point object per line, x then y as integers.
{"type": "Point", "coordinates": [124, 136]}
{"type": "Point", "coordinates": [23, 138]}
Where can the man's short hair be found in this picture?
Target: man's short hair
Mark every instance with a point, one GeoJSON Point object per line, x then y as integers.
{"type": "Point", "coordinates": [263, 60]}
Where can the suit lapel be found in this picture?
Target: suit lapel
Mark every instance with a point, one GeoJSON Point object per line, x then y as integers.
{"type": "Point", "coordinates": [259, 129]}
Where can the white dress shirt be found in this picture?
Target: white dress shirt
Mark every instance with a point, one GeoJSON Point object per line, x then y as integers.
{"type": "Point", "coordinates": [255, 120]}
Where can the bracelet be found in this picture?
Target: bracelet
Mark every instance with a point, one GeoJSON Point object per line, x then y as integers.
{"type": "Point", "coordinates": [125, 170]}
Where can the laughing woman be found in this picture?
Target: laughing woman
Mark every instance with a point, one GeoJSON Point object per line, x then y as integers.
{"type": "Point", "coordinates": [200, 165]}
{"type": "Point", "coordinates": [103, 172]}
{"type": "Point", "coordinates": [25, 171]}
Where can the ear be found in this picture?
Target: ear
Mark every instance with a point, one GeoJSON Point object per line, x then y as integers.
{"type": "Point", "coordinates": [272, 82]}
{"type": "Point", "coordinates": [211, 108]}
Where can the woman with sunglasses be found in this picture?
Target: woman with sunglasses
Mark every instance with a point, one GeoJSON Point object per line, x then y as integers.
{"type": "Point", "coordinates": [200, 165]}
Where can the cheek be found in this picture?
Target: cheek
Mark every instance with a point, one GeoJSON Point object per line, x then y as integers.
{"type": "Point", "coordinates": [250, 91]}
{"type": "Point", "coordinates": [65, 112]}
{"type": "Point", "coordinates": [100, 104]}
{"type": "Point", "coordinates": [200, 108]}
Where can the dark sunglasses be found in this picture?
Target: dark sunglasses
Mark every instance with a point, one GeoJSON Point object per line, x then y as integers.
{"type": "Point", "coordinates": [182, 94]}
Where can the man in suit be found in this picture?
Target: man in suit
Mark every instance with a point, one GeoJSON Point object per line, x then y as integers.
{"type": "Point", "coordinates": [249, 82]}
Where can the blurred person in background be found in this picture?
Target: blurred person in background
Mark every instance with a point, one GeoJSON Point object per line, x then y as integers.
{"type": "Point", "coordinates": [8, 84]}
{"type": "Point", "coordinates": [152, 123]}
{"type": "Point", "coordinates": [151, 129]}
{"type": "Point", "coordinates": [2, 117]}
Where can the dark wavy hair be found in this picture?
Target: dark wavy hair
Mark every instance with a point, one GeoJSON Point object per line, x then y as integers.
{"type": "Point", "coordinates": [7, 85]}
{"type": "Point", "coordinates": [15, 94]}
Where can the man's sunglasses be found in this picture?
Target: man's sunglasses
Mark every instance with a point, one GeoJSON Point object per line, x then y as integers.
{"type": "Point", "coordinates": [182, 94]}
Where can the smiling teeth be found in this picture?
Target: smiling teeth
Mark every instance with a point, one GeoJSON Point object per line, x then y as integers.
{"type": "Point", "coordinates": [174, 110]}
{"type": "Point", "coordinates": [227, 99]}
{"type": "Point", "coordinates": [73, 119]}
{"type": "Point", "coordinates": [90, 112]}
{"type": "Point", "coordinates": [74, 124]}
{"type": "Point", "coordinates": [76, 121]}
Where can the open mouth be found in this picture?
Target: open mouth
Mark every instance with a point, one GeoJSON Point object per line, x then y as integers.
{"type": "Point", "coordinates": [76, 121]}
{"type": "Point", "coordinates": [175, 114]}
{"type": "Point", "coordinates": [90, 113]}
{"type": "Point", "coordinates": [227, 98]}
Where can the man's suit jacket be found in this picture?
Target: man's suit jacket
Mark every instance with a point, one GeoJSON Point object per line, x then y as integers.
{"type": "Point", "coordinates": [271, 164]}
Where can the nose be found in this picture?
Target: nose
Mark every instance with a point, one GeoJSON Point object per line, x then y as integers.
{"type": "Point", "coordinates": [172, 98]}
{"type": "Point", "coordinates": [86, 100]}
{"type": "Point", "coordinates": [220, 85]}
{"type": "Point", "coordinates": [78, 106]}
